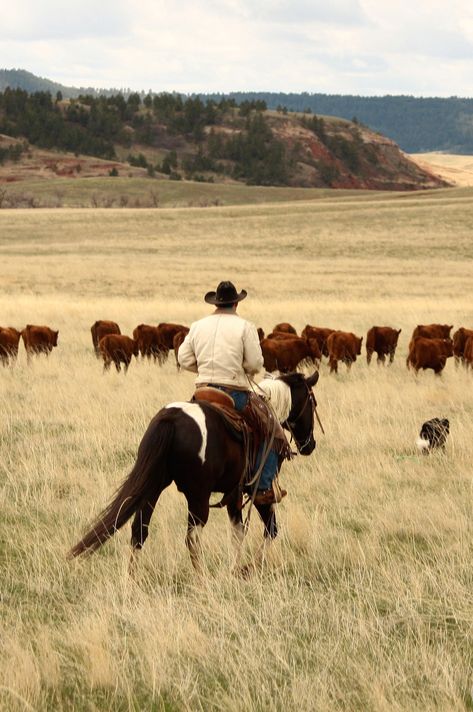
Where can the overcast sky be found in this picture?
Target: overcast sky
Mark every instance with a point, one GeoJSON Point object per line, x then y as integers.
{"type": "Point", "coordinates": [369, 47]}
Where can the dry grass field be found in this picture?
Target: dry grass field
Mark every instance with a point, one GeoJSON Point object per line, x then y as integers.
{"type": "Point", "coordinates": [365, 600]}
{"type": "Point", "coordinates": [454, 168]}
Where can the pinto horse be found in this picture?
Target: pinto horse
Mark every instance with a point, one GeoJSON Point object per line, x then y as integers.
{"type": "Point", "coordinates": [189, 443]}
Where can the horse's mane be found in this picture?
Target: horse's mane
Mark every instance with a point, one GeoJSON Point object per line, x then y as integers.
{"type": "Point", "coordinates": [278, 392]}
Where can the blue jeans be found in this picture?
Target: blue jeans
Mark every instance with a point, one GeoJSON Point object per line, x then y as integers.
{"type": "Point", "coordinates": [270, 468]}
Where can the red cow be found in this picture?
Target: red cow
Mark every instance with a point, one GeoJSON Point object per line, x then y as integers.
{"type": "Point", "coordinates": [319, 333]}
{"type": "Point", "coordinates": [150, 342]}
{"type": "Point", "coordinates": [177, 341]}
{"type": "Point", "coordinates": [38, 339]}
{"type": "Point", "coordinates": [429, 353]}
{"type": "Point", "coordinates": [285, 326]}
{"type": "Point", "coordinates": [468, 352]}
{"type": "Point", "coordinates": [383, 340]}
{"type": "Point", "coordinates": [432, 331]}
{"type": "Point", "coordinates": [460, 337]}
{"type": "Point", "coordinates": [343, 346]}
{"type": "Point", "coordinates": [9, 340]}
{"type": "Point", "coordinates": [314, 350]}
{"type": "Point", "coordinates": [100, 329]}
{"type": "Point", "coordinates": [169, 331]}
{"type": "Point", "coordinates": [117, 349]}
{"type": "Point", "coordinates": [281, 335]}
{"type": "Point", "coordinates": [285, 355]}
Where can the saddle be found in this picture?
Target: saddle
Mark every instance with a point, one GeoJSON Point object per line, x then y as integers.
{"type": "Point", "coordinates": [214, 396]}
{"type": "Point", "coordinates": [253, 426]}
{"type": "Point", "coordinates": [224, 403]}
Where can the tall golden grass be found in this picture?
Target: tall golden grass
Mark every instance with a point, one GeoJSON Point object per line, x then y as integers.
{"type": "Point", "coordinates": [364, 601]}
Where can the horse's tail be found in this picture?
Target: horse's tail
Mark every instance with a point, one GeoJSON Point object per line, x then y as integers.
{"type": "Point", "coordinates": [148, 475]}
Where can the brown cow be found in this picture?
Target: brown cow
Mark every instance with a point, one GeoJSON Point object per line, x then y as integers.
{"type": "Point", "coordinates": [285, 326]}
{"type": "Point", "coordinates": [314, 350]}
{"type": "Point", "coordinates": [9, 340]}
{"type": "Point", "coordinates": [177, 341]}
{"type": "Point", "coordinates": [432, 331]}
{"type": "Point", "coordinates": [281, 335]}
{"type": "Point", "coordinates": [150, 342]}
{"type": "Point", "coordinates": [117, 349]}
{"type": "Point", "coordinates": [428, 331]}
{"type": "Point", "coordinates": [100, 329]}
{"type": "Point", "coordinates": [429, 353]}
{"type": "Point", "coordinates": [383, 340]}
{"type": "Point", "coordinates": [168, 331]}
{"type": "Point", "coordinates": [38, 339]}
{"type": "Point", "coordinates": [343, 346]}
{"type": "Point", "coordinates": [285, 355]}
{"type": "Point", "coordinates": [460, 337]}
{"type": "Point", "coordinates": [468, 352]}
{"type": "Point", "coordinates": [319, 333]}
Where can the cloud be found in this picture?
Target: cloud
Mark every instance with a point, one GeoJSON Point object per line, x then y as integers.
{"type": "Point", "coordinates": [58, 20]}
{"type": "Point", "coordinates": [429, 28]}
{"type": "Point", "coordinates": [337, 46]}
{"type": "Point", "coordinates": [345, 12]}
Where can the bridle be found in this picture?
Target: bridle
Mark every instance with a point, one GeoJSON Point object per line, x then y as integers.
{"type": "Point", "coordinates": [290, 424]}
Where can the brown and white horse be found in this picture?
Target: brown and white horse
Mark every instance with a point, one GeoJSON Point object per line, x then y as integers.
{"type": "Point", "coordinates": [189, 444]}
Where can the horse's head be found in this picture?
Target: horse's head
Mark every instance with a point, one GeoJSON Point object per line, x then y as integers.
{"type": "Point", "coordinates": [300, 421]}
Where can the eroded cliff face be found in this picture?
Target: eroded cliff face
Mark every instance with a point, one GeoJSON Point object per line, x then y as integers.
{"type": "Point", "coordinates": [349, 155]}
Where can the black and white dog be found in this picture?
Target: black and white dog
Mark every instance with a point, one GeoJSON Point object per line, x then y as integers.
{"type": "Point", "coordinates": [433, 434]}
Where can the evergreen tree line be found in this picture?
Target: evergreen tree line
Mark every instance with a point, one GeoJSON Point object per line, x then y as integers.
{"type": "Point", "coordinates": [93, 125]}
{"type": "Point", "coordinates": [43, 123]}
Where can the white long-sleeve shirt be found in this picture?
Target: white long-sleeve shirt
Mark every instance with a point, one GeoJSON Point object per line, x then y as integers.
{"type": "Point", "coordinates": [222, 348]}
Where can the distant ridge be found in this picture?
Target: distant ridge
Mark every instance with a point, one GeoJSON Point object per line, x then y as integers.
{"type": "Point", "coordinates": [21, 79]}
{"type": "Point", "coordinates": [417, 125]}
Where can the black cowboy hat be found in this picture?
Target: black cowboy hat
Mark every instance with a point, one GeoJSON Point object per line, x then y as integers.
{"type": "Point", "coordinates": [225, 295]}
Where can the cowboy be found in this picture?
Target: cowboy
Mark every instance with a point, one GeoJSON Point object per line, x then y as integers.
{"type": "Point", "coordinates": [224, 350]}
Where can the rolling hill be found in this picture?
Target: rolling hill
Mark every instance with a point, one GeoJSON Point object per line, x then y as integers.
{"type": "Point", "coordinates": [204, 142]}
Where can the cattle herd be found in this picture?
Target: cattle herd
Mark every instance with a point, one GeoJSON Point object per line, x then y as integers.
{"type": "Point", "coordinates": [283, 349]}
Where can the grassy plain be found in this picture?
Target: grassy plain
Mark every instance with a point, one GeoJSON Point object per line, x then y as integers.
{"type": "Point", "coordinates": [145, 192]}
{"type": "Point", "coordinates": [365, 600]}
{"type": "Point", "coordinates": [454, 168]}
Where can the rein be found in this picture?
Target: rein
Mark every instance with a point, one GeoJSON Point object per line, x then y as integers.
{"type": "Point", "coordinates": [289, 424]}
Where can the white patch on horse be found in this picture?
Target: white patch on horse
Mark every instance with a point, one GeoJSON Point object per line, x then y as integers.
{"type": "Point", "coordinates": [195, 412]}
{"type": "Point", "coordinates": [422, 444]}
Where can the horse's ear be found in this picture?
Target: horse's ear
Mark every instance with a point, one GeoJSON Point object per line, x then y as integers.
{"type": "Point", "coordinates": [312, 380]}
